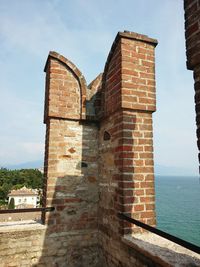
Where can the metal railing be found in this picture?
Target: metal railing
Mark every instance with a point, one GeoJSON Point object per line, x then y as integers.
{"type": "Point", "coordinates": [161, 233]}
{"type": "Point", "coordinates": [47, 209]}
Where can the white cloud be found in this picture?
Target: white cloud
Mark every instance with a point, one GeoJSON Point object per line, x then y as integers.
{"type": "Point", "coordinates": [13, 152]}
{"type": "Point", "coordinates": [45, 31]}
{"type": "Point", "coordinates": [175, 129]}
{"type": "Point", "coordinates": [33, 148]}
{"type": "Point", "coordinates": [20, 116]}
{"type": "Point", "coordinates": [83, 31]}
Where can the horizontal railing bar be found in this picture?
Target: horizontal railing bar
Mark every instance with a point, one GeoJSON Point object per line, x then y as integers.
{"type": "Point", "coordinates": [47, 209]}
{"type": "Point", "coordinates": [161, 233]}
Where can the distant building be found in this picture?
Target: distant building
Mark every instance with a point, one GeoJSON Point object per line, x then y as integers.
{"type": "Point", "coordinates": [24, 197]}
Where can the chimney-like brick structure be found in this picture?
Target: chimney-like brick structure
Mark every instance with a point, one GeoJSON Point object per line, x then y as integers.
{"type": "Point", "coordinates": [99, 148]}
{"type": "Point", "coordinates": [192, 36]}
{"type": "Point", "coordinates": [126, 168]}
{"type": "Point", "coordinates": [71, 162]}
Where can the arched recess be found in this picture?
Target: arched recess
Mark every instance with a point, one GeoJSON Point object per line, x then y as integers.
{"type": "Point", "coordinates": [75, 72]}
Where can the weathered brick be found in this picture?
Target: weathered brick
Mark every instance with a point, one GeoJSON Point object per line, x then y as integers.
{"type": "Point", "coordinates": [86, 169]}
{"type": "Point", "coordinates": [192, 35]}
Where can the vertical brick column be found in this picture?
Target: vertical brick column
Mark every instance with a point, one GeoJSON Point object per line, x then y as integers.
{"type": "Point", "coordinates": [126, 160]}
{"type": "Point", "coordinates": [197, 102]}
{"type": "Point", "coordinates": [71, 150]}
{"type": "Point", "coordinates": [62, 102]}
{"type": "Point", "coordinates": [138, 103]}
{"type": "Point", "coordinates": [192, 36]}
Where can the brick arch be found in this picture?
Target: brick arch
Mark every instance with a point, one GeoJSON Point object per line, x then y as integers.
{"type": "Point", "coordinates": [77, 73]}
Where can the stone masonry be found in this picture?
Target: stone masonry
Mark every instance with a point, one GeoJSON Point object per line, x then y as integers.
{"type": "Point", "coordinates": [98, 162]}
{"type": "Point", "coordinates": [192, 36]}
{"type": "Point", "coordinates": [126, 175]}
{"type": "Point", "coordinates": [99, 149]}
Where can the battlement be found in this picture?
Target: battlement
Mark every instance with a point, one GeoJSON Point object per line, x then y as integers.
{"type": "Point", "coordinates": [98, 164]}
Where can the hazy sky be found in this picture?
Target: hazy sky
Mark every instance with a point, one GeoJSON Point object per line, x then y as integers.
{"type": "Point", "coordinates": [83, 31]}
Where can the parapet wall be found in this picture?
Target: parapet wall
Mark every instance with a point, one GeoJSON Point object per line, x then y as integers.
{"type": "Point", "coordinates": [30, 245]}
{"type": "Point", "coordinates": [98, 163]}
{"type": "Point", "coordinates": [99, 148]}
{"type": "Point", "coordinates": [99, 156]}
{"type": "Point", "coordinates": [127, 158]}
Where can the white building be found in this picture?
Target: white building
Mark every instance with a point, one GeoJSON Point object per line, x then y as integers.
{"type": "Point", "coordinates": [24, 198]}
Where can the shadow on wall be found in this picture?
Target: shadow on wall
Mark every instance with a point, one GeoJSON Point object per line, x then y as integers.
{"type": "Point", "coordinates": [71, 166]}
{"type": "Point", "coordinates": [94, 168]}
{"type": "Point", "coordinates": [72, 234]}
{"type": "Point", "coordinates": [78, 160]}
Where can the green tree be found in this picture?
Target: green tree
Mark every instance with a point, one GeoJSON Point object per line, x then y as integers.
{"type": "Point", "coordinates": [4, 190]}
{"type": "Point", "coordinates": [11, 204]}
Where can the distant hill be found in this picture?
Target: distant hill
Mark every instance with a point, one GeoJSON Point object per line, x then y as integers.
{"type": "Point", "coordinates": [25, 165]}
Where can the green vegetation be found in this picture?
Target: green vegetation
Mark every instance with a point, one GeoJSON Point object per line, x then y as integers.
{"type": "Point", "coordinates": [11, 204]}
{"type": "Point", "coordinates": [15, 179]}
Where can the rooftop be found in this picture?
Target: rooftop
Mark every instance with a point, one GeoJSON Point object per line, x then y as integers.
{"type": "Point", "coordinates": [24, 191]}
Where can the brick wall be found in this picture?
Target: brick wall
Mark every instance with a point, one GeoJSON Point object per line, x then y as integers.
{"type": "Point", "coordinates": [138, 72]}
{"type": "Point", "coordinates": [99, 149]}
{"type": "Point", "coordinates": [71, 169]}
{"type": "Point", "coordinates": [129, 100]}
{"type": "Point", "coordinates": [65, 89]}
{"type": "Point", "coordinates": [192, 36]}
{"type": "Point", "coordinates": [30, 245]}
{"type": "Point", "coordinates": [192, 32]}
{"type": "Point", "coordinates": [126, 173]}
{"type": "Point", "coordinates": [99, 156]}
{"type": "Point", "coordinates": [117, 253]}
{"type": "Point", "coordinates": [93, 102]}
{"type": "Point", "coordinates": [126, 178]}
{"type": "Point", "coordinates": [99, 160]}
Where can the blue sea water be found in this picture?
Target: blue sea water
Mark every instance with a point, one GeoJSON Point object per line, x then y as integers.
{"type": "Point", "coordinates": [178, 206]}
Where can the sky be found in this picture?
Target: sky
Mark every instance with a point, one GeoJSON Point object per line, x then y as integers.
{"type": "Point", "coordinates": [83, 31]}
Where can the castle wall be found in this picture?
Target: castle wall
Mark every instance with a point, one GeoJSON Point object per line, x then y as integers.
{"type": "Point", "coordinates": [99, 163]}
{"type": "Point", "coordinates": [71, 168]}
{"type": "Point", "coordinates": [192, 36]}
{"type": "Point", "coordinates": [99, 156]}
{"type": "Point", "coordinates": [126, 173]}
{"type": "Point", "coordinates": [96, 170]}
{"type": "Point", "coordinates": [31, 245]}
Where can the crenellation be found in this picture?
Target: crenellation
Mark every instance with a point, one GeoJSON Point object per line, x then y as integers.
{"type": "Point", "coordinates": [98, 159]}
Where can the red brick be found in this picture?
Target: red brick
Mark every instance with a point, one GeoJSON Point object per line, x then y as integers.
{"type": "Point", "coordinates": [150, 192]}
{"type": "Point", "coordinates": [147, 214]}
{"type": "Point", "coordinates": [150, 207]}
{"type": "Point", "coordinates": [123, 148]}
{"type": "Point", "coordinates": [192, 29]}
{"type": "Point", "coordinates": [147, 199]}
{"type": "Point", "coordinates": [139, 192]}
{"type": "Point", "coordinates": [126, 200]}
{"type": "Point", "coordinates": [147, 185]}
{"type": "Point", "coordinates": [128, 99]}
{"type": "Point", "coordinates": [138, 207]}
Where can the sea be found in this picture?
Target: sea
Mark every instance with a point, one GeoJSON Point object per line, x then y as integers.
{"type": "Point", "coordinates": [178, 206]}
